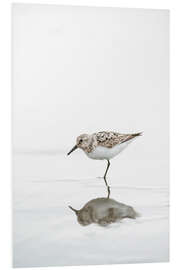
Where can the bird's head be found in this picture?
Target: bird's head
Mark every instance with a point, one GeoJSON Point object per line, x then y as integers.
{"type": "Point", "coordinates": [83, 141]}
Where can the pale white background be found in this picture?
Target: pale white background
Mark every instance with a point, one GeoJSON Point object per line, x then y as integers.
{"type": "Point", "coordinates": [77, 70]}
{"type": "Point", "coordinates": [174, 87]}
{"type": "Point", "coordinates": [83, 70]}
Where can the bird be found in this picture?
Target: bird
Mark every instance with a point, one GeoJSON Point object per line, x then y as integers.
{"type": "Point", "coordinates": [103, 145]}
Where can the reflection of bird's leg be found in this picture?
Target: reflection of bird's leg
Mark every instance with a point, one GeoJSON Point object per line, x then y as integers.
{"type": "Point", "coordinates": [108, 187]}
{"type": "Point", "coordinates": [109, 191]}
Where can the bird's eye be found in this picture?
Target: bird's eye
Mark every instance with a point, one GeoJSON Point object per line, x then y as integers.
{"type": "Point", "coordinates": [80, 141]}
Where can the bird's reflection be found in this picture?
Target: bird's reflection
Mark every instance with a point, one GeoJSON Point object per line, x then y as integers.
{"type": "Point", "coordinates": [103, 211]}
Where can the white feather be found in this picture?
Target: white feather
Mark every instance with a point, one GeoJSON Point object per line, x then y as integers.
{"type": "Point", "coordinates": [101, 152]}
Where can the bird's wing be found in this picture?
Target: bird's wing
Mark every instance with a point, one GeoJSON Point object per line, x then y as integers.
{"type": "Point", "coordinates": [110, 139]}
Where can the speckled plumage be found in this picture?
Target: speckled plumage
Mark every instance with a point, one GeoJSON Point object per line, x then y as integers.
{"type": "Point", "coordinates": [109, 139]}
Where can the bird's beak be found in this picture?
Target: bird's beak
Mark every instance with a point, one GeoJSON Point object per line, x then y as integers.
{"type": "Point", "coordinates": [76, 211]}
{"type": "Point", "coordinates": [74, 148]}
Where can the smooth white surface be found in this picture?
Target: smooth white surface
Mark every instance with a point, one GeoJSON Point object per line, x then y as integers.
{"type": "Point", "coordinates": [46, 231]}
{"type": "Point", "coordinates": [5, 128]}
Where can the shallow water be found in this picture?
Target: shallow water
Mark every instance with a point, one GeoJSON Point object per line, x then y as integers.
{"type": "Point", "coordinates": [46, 231]}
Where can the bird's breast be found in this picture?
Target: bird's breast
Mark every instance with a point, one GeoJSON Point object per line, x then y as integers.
{"type": "Point", "coordinates": [101, 152]}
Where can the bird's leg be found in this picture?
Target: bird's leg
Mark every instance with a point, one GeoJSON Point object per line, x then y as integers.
{"type": "Point", "coordinates": [107, 169]}
{"type": "Point", "coordinates": [108, 187]}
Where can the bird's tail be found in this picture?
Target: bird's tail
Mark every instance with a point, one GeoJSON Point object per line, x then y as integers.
{"type": "Point", "coordinates": [132, 136]}
{"type": "Point", "coordinates": [137, 134]}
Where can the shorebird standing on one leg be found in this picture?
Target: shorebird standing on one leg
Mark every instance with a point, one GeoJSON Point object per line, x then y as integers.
{"type": "Point", "coordinates": [103, 145]}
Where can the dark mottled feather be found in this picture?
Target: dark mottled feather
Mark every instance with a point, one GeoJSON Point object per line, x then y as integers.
{"type": "Point", "coordinates": [110, 139]}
